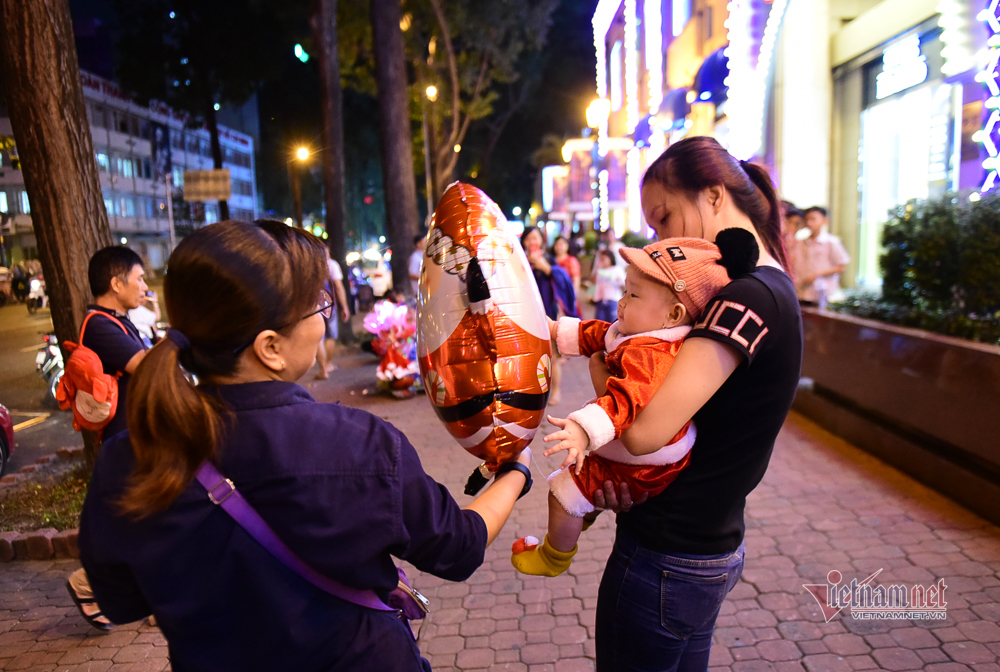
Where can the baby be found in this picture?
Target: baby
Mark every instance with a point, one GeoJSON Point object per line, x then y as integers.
{"type": "Point", "coordinates": [667, 286]}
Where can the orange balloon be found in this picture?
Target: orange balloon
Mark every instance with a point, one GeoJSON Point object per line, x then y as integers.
{"type": "Point", "coordinates": [482, 335]}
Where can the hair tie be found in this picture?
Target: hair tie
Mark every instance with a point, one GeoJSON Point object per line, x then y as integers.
{"type": "Point", "coordinates": [179, 339]}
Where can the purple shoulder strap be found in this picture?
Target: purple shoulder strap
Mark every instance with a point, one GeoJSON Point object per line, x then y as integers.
{"type": "Point", "coordinates": [222, 492]}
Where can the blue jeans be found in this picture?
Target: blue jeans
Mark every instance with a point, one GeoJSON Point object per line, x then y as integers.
{"type": "Point", "coordinates": [658, 612]}
{"type": "Point", "coordinates": [606, 311]}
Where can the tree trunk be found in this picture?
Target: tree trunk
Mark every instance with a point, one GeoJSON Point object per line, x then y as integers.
{"type": "Point", "coordinates": [396, 135]}
{"type": "Point", "coordinates": [213, 133]}
{"type": "Point", "coordinates": [48, 117]}
{"type": "Point", "coordinates": [324, 28]}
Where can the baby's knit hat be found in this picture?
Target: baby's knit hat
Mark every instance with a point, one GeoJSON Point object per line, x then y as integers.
{"type": "Point", "coordinates": [695, 269]}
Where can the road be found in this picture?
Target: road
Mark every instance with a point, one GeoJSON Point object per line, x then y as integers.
{"type": "Point", "coordinates": [24, 392]}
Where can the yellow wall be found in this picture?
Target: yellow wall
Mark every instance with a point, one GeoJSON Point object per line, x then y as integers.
{"type": "Point", "coordinates": [703, 34]}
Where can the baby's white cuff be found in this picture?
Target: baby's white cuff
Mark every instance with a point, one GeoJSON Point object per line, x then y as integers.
{"type": "Point", "coordinates": [568, 336]}
{"type": "Point", "coordinates": [596, 422]}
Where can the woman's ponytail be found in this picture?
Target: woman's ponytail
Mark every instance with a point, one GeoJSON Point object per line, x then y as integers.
{"type": "Point", "coordinates": [769, 229]}
{"type": "Point", "coordinates": [173, 427]}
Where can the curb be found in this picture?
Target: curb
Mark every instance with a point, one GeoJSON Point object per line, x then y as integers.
{"type": "Point", "coordinates": [46, 543]}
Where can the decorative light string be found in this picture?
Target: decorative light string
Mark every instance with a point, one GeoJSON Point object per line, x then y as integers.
{"type": "Point", "coordinates": [652, 18]}
{"type": "Point", "coordinates": [989, 135]}
{"type": "Point", "coordinates": [631, 67]}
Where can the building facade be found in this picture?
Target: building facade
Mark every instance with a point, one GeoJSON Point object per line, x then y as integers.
{"type": "Point", "coordinates": [141, 155]}
{"type": "Point", "coordinates": [854, 105]}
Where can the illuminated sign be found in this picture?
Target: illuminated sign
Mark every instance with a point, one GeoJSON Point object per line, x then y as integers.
{"type": "Point", "coordinates": [903, 66]}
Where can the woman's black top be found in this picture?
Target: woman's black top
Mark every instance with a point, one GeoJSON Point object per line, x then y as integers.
{"type": "Point", "coordinates": [701, 512]}
{"type": "Point", "coordinates": [342, 488]}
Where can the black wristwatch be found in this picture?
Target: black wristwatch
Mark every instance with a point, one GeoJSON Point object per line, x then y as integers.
{"type": "Point", "coordinates": [517, 466]}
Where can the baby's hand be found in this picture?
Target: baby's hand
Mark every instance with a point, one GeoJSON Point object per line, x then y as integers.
{"type": "Point", "coordinates": [571, 438]}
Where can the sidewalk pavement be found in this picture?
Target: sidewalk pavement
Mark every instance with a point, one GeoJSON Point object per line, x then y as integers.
{"type": "Point", "coordinates": [823, 505]}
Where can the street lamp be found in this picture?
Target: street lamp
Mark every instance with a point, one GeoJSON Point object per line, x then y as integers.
{"type": "Point", "coordinates": [301, 156]}
{"type": "Point", "coordinates": [432, 93]}
{"type": "Point", "coordinates": [598, 112]}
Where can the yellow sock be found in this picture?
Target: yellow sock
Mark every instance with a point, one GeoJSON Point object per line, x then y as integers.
{"type": "Point", "coordinates": [530, 557]}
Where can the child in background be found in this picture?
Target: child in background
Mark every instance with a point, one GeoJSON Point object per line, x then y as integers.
{"type": "Point", "coordinates": [668, 284]}
{"type": "Point", "coordinates": [608, 285]}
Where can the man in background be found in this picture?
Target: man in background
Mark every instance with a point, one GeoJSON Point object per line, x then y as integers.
{"type": "Point", "coordinates": [819, 261]}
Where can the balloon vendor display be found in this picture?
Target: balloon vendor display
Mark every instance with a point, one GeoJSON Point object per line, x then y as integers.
{"type": "Point", "coordinates": [482, 336]}
{"type": "Point", "coordinates": [394, 326]}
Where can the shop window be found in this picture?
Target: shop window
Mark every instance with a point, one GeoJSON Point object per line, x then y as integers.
{"type": "Point", "coordinates": [3, 201]}
{"type": "Point", "coordinates": [103, 163]}
{"type": "Point", "coordinates": [680, 15]}
{"type": "Point", "coordinates": [98, 117]}
{"type": "Point", "coordinates": [126, 206]}
{"type": "Point", "coordinates": [128, 168]}
{"type": "Point", "coordinates": [109, 205]}
{"type": "Point", "coordinates": [178, 176]}
{"type": "Point", "coordinates": [25, 204]}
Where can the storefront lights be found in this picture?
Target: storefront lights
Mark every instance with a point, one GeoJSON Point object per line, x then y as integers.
{"type": "Point", "coordinates": [632, 182]}
{"type": "Point", "coordinates": [989, 133]}
{"type": "Point", "coordinates": [748, 82]}
{"type": "Point", "coordinates": [631, 66]}
{"type": "Point", "coordinates": [652, 19]}
{"type": "Point", "coordinates": [602, 179]}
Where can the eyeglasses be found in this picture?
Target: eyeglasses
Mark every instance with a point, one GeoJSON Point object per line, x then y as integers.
{"type": "Point", "coordinates": [324, 306]}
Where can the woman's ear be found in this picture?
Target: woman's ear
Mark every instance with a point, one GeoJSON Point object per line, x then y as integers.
{"type": "Point", "coordinates": [267, 347]}
{"type": "Point", "coordinates": [715, 196]}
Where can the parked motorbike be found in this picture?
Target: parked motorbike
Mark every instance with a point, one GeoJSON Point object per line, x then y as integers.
{"type": "Point", "coordinates": [49, 363]}
{"type": "Point", "coordinates": [37, 298]}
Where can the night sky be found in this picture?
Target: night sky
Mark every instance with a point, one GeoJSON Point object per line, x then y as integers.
{"type": "Point", "coordinates": [289, 115]}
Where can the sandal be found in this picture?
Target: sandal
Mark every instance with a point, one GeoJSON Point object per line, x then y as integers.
{"type": "Point", "coordinates": [90, 618]}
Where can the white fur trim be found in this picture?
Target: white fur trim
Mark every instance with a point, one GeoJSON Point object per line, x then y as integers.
{"type": "Point", "coordinates": [595, 421]}
{"type": "Point", "coordinates": [562, 485]}
{"type": "Point", "coordinates": [568, 336]}
{"type": "Point", "coordinates": [615, 338]}
{"type": "Point", "coordinates": [615, 451]}
{"type": "Point", "coordinates": [481, 307]}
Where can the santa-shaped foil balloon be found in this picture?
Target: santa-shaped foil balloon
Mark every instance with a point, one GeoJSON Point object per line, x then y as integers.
{"type": "Point", "coordinates": [482, 336]}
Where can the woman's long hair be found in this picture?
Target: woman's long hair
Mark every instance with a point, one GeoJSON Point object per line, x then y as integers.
{"type": "Point", "coordinates": [226, 283]}
{"type": "Point", "coordinates": [698, 163]}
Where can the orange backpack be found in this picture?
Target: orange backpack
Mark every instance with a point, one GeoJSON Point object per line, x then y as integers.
{"type": "Point", "coordinates": [91, 393]}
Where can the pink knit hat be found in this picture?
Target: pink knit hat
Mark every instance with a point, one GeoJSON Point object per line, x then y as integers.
{"type": "Point", "coordinates": [688, 266]}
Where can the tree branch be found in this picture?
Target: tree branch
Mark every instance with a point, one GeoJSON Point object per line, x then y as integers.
{"type": "Point", "coordinates": [452, 69]}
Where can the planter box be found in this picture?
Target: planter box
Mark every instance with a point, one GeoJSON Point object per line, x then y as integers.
{"type": "Point", "coordinates": [927, 404]}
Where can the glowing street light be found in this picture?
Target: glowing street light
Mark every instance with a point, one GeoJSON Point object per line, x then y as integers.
{"type": "Point", "coordinates": [516, 210]}
{"type": "Point", "coordinates": [300, 53]}
{"type": "Point", "coordinates": [432, 93]}
{"type": "Point", "coordinates": [598, 112]}
{"type": "Point", "coordinates": [302, 153]}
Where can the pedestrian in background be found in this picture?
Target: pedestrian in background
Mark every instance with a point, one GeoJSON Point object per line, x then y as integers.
{"type": "Point", "coordinates": [820, 259]}
{"type": "Point", "coordinates": [416, 260]}
{"type": "Point", "coordinates": [791, 223]}
{"type": "Point", "coordinates": [609, 283]}
{"type": "Point", "coordinates": [558, 295]}
{"type": "Point", "coordinates": [145, 317]}
{"type": "Point", "coordinates": [343, 490]}
{"type": "Point", "coordinates": [677, 555]}
{"type": "Point", "coordinates": [117, 281]}
{"type": "Point", "coordinates": [327, 347]}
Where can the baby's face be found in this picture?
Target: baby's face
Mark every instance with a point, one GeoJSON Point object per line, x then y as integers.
{"type": "Point", "coordinates": [646, 305]}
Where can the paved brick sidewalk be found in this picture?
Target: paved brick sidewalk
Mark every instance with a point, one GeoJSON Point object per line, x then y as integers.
{"type": "Point", "coordinates": [823, 505]}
